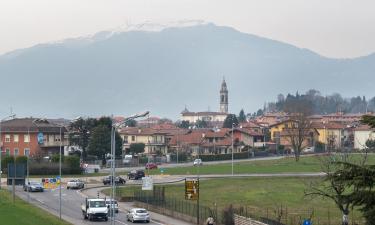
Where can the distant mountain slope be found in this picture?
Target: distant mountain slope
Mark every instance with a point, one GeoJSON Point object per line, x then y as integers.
{"type": "Point", "coordinates": [162, 71]}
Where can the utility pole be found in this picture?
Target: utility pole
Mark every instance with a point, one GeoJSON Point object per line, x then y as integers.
{"type": "Point", "coordinates": [114, 127]}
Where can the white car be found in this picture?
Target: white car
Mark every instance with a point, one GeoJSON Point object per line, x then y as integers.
{"type": "Point", "coordinates": [138, 214]}
{"type": "Point", "coordinates": [75, 184]}
{"type": "Point", "coordinates": [197, 162]}
{"type": "Point", "coordinates": [308, 150]}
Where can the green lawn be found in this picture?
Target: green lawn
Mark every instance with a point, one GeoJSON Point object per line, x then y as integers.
{"type": "Point", "coordinates": [285, 165]}
{"type": "Point", "coordinates": [260, 196]}
{"type": "Point", "coordinates": [22, 213]}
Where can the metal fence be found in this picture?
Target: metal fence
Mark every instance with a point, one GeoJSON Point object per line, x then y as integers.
{"type": "Point", "coordinates": [283, 216]}
{"type": "Point", "coordinates": [190, 208]}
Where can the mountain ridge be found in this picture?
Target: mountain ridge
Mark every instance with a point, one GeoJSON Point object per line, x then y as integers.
{"type": "Point", "coordinates": [165, 70]}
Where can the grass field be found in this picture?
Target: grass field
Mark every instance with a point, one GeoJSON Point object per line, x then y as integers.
{"type": "Point", "coordinates": [261, 196]}
{"type": "Point", "coordinates": [22, 213]}
{"type": "Point", "coordinates": [285, 165]}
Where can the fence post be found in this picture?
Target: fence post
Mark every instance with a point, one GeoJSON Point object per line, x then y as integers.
{"type": "Point", "coordinates": [329, 217]}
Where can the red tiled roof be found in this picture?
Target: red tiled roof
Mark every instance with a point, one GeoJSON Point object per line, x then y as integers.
{"type": "Point", "coordinates": [193, 138]}
{"type": "Point", "coordinates": [329, 125]}
{"type": "Point", "coordinates": [249, 131]}
{"type": "Point", "coordinates": [363, 127]}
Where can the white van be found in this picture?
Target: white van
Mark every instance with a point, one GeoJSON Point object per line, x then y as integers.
{"type": "Point", "coordinates": [127, 159]}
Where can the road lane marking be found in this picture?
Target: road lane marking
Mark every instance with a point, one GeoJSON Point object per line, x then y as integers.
{"type": "Point", "coordinates": [121, 222]}
{"type": "Point", "coordinates": [157, 222]}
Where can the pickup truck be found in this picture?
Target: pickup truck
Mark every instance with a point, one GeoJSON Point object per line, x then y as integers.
{"type": "Point", "coordinates": [95, 208]}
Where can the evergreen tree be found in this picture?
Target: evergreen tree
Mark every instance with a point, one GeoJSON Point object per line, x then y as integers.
{"type": "Point", "coordinates": [201, 124]}
{"type": "Point", "coordinates": [242, 116]}
{"type": "Point", "coordinates": [231, 119]}
{"type": "Point", "coordinates": [100, 142]}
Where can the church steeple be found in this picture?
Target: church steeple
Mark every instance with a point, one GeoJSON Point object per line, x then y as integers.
{"type": "Point", "coordinates": [224, 97]}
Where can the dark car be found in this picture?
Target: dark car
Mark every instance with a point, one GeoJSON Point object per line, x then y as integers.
{"type": "Point", "coordinates": [33, 186]}
{"type": "Point", "coordinates": [118, 180]}
{"type": "Point", "coordinates": [136, 174]}
{"type": "Point", "coordinates": [151, 166]}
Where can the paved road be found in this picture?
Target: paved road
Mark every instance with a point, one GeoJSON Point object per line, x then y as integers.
{"type": "Point", "coordinates": [71, 206]}
{"type": "Point", "coordinates": [186, 164]}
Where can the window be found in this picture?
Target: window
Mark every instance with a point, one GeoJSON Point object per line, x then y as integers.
{"type": "Point", "coordinates": [57, 138]}
{"type": "Point", "coordinates": [26, 152]}
{"type": "Point", "coordinates": [15, 138]}
{"type": "Point", "coordinates": [125, 139]}
{"type": "Point", "coordinates": [26, 138]}
{"type": "Point", "coordinates": [7, 152]}
{"type": "Point", "coordinates": [16, 151]}
{"type": "Point", "coordinates": [133, 138]}
{"type": "Point", "coordinates": [7, 138]}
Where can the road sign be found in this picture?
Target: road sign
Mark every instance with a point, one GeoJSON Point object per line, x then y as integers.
{"type": "Point", "coordinates": [147, 184]}
{"type": "Point", "coordinates": [191, 189]}
{"type": "Point", "coordinates": [307, 222]}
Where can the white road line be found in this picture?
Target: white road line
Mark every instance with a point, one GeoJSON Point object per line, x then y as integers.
{"type": "Point", "coordinates": [40, 201]}
{"type": "Point", "coordinates": [157, 222]}
{"type": "Point", "coordinates": [121, 222]}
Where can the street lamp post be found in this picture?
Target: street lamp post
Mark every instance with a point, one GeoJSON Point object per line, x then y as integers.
{"type": "Point", "coordinates": [60, 173]}
{"type": "Point", "coordinates": [116, 126]}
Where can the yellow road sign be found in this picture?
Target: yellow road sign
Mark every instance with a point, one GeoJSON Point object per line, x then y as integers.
{"type": "Point", "coordinates": [191, 189]}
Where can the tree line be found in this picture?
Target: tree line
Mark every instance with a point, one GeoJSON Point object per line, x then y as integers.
{"type": "Point", "coordinates": [321, 104]}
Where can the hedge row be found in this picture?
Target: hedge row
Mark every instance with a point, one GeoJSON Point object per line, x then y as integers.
{"type": "Point", "coordinates": [241, 155]}
{"type": "Point", "coordinates": [71, 165]}
{"type": "Point", "coordinates": [52, 169]}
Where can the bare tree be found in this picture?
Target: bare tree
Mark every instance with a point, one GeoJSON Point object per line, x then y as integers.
{"type": "Point", "coordinates": [299, 131]}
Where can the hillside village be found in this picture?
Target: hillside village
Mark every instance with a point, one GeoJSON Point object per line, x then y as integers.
{"type": "Point", "coordinates": [161, 137]}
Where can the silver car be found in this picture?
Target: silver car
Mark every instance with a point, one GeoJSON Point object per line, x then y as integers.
{"type": "Point", "coordinates": [138, 214]}
{"type": "Point", "coordinates": [33, 186]}
{"type": "Point", "coordinates": [75, 183]}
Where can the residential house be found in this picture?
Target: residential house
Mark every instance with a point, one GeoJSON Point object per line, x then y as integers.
{"type": "Point", "coordinates": [362, 133]}
{"type": "Point", "coordinates": [282, 132]}
{"type": "Point", "coordinates": [32, 136]}
{"type": "Point", "coordinates": [332, 134]}
{"type": "Point", "coordinates": [154, 140]}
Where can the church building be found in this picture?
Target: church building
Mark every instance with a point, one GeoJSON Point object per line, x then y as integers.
{"type": "Point", "coordinates": [209, 116]}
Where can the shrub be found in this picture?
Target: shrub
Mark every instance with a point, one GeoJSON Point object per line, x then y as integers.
{"type": "Point", "coordinates": [228, 215]}
{"type": "Point", "coordinates": [5, 161]}
{"type": "Point", "coordinates": [56, 158]}
{"type": "Point", "coordinates": [182, 157]}
{"type": "Point", "coordinates": [21, 159]}
{"type": "Point", "coordinates": [73, 162]}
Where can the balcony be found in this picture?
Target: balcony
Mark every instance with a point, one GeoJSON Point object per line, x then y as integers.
{"type": "Point", "coordinates": [54, 144]}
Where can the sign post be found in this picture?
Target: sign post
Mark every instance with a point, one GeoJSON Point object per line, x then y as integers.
{"type": "Point", "coordinates": [147, 184]}
{"type": "Point", "coordinates": [192, 192]}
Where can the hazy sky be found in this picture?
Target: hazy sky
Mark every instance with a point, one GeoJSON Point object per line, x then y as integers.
{"type": "Point", "coordinates": [334, 28]}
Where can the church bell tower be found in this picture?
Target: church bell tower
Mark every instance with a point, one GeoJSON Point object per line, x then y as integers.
{"type": "Point", "coordinates": [224, 97]}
